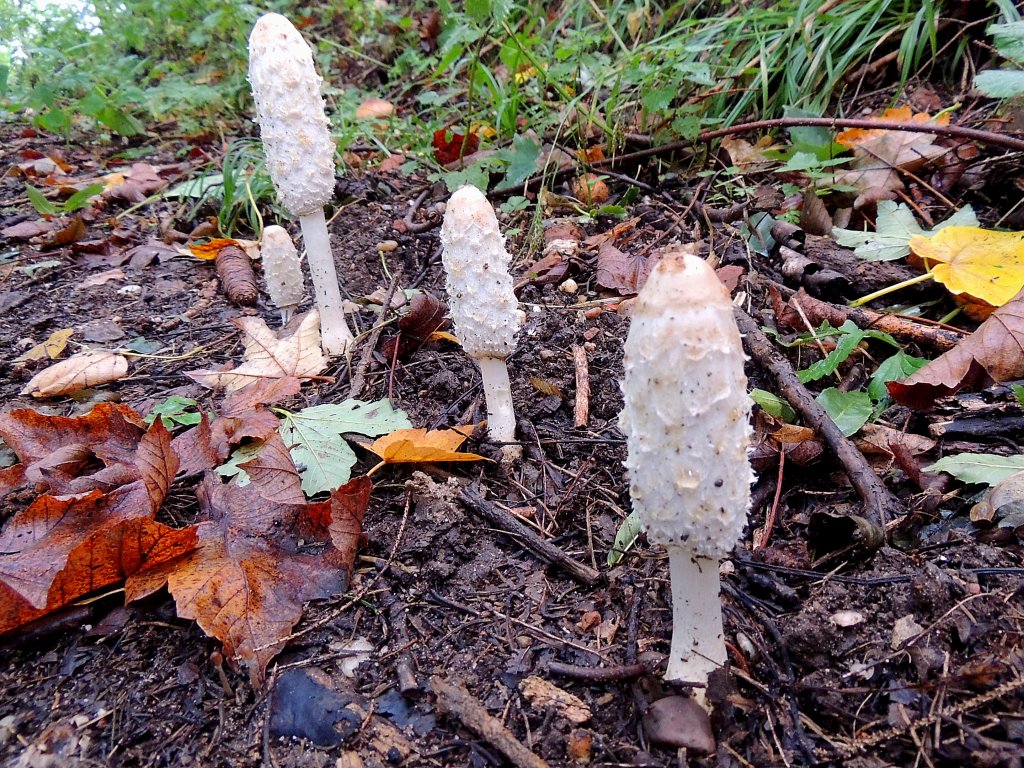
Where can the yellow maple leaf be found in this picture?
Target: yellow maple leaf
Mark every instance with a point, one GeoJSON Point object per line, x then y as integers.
{"type": "Point", "coordinates": [422, 446]}
{"type": "Point", "coordinates": [978, 265]}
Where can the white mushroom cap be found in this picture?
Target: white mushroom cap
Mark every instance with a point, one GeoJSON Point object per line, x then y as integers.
{"type": "Point", "coordinates": [484, 307]}
{"type": "Point", "coordinates": [295, 130]}
{"type": "Point", "coordinates": [687, 413]}
{"type": "Point", "coordinates": [281, 268]}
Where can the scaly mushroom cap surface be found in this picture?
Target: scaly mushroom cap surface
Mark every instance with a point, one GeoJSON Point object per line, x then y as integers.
{"type": "Point", "coordinates": [686, 414]}
{"type": "Point", "coordinates": [281, 268]}
{"type": "Point", "coordinates": [484, 308]}
{"type": "Point", "coordinates": [295, 130]}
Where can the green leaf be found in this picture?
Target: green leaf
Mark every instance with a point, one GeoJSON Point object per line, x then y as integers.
{"type": "Point", "coordinates": [1009, 39]}
{"type": "Point", "coordinates": [624, 538]}
{"type": "Point", "coordinates": [479, 10]}
{"type": "Point", "coordinates": [240, 455]}
{"type": "Point", "coordinates": [852, 336]}
{"type": "Point", "coordinates": [809, 135]}
{"type": "Point", "coordinates": [894, 227]}
{"type": "Point", "coordinates": [40, 203]}
{"type": "Point", "coordinates": [81, 198]}
{"type": "Point", "coordinates": [894, 368]}
{"type": "Point", "coordinates": [1000, 83]}
{"type": "Point", "coordinates": [176, 410]}
{"type": "Point", "coordinates": [522, 160]}
{"type": "Point", "coordinates": [55, 120]}
{"type": "Point", "coordinates": [314, 436]}
{"type": "Point", "coordinates": [1018, 392]}
{"type": "Point", "coordinates": [978, 468]}
{"type": "Point", "coordinates": [849, 410]}
{"type": "Point", "coordinates": [196, 188]}
{"type": "Point", "coordinates": [773, 405]}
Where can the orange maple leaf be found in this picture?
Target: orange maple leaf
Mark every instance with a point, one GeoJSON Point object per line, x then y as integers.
{"type": "Point", "coordinates": [422, 446]}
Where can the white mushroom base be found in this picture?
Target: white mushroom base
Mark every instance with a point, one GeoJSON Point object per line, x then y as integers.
{"type": "Point", "coordinates": [698, 638]}
{"type": "Point", "coordinates": [335, 337]}
{"type": "Point", "coordinates": [501, 418]}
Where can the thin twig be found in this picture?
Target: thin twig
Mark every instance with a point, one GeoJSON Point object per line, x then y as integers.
{"type": "Point", "coordinates": [581, 405]}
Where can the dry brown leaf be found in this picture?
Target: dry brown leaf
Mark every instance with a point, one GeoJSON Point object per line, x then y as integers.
{"type": "Point", "coordinates": [422, 446]}
{"type": "Point", "coordinates": [748, 157]}
{"type": "Point", "coordinates": [140, 182]}
{"type": "Point", "coordinates": [247, 588]}
{"type": "Point", "coordinates": [70, 231]}
{"type": "Point", "coordinates": [101, 278]}
{"type": "Point", "coordinates": [52, 348]}
{"type": "Point", "coordinates": [61, 547]}
{"type": "Point", "coordinates": [268, 356]}
{"type": "Point", "coordinates": [85, 369]}
{"type": "Point", "coordinates": [373, 109]}
{"type": "Point", "coordinates": [879, 154]}
{"type": "Point", "coordinates": [993, 353]}
{"type": "Point", "coordinates": [27, 229]}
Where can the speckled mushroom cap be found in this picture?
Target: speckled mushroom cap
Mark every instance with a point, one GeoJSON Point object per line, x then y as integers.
{"type": "Point", "coordinates": [296, 133]}
{"type": "Point", "coordinates": [281, 268]}
{"type": "Point", "coordinates": [484, 308]}
{"type": "Point", "coordinates": [686, 414]}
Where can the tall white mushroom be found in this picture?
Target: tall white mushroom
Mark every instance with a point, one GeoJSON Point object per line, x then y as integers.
{"type": "Point", "coordinates": [687, 424]}
{"type": "Point", "coordinates": [300, 154]}
{"type": "Point", "coordinates": [484, 307]}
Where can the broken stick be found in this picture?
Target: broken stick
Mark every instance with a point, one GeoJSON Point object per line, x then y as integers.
{"type": "Point", "coordinates": [880, 505]}
{"type": "Point", "coordinates": [543, 549]}
{"type": "Point", "coordinates": [458, 702]}
{"type": "Point", "coordinates": [581, 407]}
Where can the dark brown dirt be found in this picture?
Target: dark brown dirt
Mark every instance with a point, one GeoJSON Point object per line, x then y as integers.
{"type": "Point", "coordinates": [912, 657]}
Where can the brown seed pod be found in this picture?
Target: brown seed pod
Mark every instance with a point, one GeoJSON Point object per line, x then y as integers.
{"type": "Point", "coordinates": [236, 276]}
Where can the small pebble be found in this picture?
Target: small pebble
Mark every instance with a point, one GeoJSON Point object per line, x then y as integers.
{"type": "Point", "coordinates": [546, 354]}
{"type": "Point", "coordinates": [589, 346]}
{"type": "Point", "coordinates": [569, 287]}
{"type": "Point", "coordinates": [129, 290]}
{"type": "Point", "coordinates": [593, 312]}
{"type": "Point", "coordinates": [591, 333]}
{"type": "Point", "coordinates": [524, 641]}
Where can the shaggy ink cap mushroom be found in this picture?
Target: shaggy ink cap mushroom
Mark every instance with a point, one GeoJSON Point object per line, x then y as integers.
{"type": "Point", "coordinates": [299, 153]}
{"type": "Point", "coordinates": [483, 306]}
{"type": "Point", "coordinates": [686, 417]}
{"type": "Point", "coordinates": [281, 270]}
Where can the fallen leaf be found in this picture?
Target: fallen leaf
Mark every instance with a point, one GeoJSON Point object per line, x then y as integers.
{"type": "Point", "coordinates": [48, 549]}
{"type": "Point", "coordinates": [140, 182]}
{"type": "Point", "coordinates": [247, 588]}
{"type": "Point", "coordinates": [71, 231]}
{"type": "Point", "coordinates": [315, 438]}
{"type": "Point", "coordinates": [993, 353]}
{"type": "Point", "coordinates": [618, 271]}
{"type": "Point", "coordinates": [85, 369]}
{"type": "Point", "coordinates": [978, 265]}
{"type": "Point", "coordinates": [449, 147]}
{"type": "Point", "coordinates": [748, 157]}
{"type": "Point", "coordinates": [101, 279]}
{"type": "Point", "coordinates": [52, 348]}
{"type": "Point", "coordinates": [878, 155]}
{"type": "Point", "coordinates": [27, 229]}
{"type": "Point", "coordinates": [543, 695]}
{"type": "Point", "coordinates": [427, 315]}
{"type": "Point", "coordinates": [422, 446]}
{"type": "Point", "coordinates": [272, 472]}
{"type": "Point", "coordinates": [373, 109]}
{"type": "Point", "coordinates": [269, 356]}
{"type": "Point", "coordinates": [978, 468]}
{"type": "Point", "coordinates": [894, 227]}
{"type": "Point", "coordinates": [208, 251]}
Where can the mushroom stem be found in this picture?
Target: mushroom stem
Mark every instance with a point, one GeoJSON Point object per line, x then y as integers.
{"type": "Point", "coordinates": [698, 638]}
{"type": "Point", "coordinates": [335, 335]}
{"type": "Point", "coordinates": [501, 418]}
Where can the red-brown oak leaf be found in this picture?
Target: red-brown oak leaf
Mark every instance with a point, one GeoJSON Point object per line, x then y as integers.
{"type": "Point", "coordinates": [257, 563]}
{"type": "Point", "coordinates": [993, 353]}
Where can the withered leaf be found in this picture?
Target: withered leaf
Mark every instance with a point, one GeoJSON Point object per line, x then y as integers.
{"type": "Point", "coordinates": [268, 356]}
{"type": "Point", "coordinates": [273, 472]}
{"type": "Point", "coordinates": [993, 353]}
{"type": "Point", "coordinates": [27, 229]}
{"type": "Point", "coordinates": [140, 182]}
{"type": "Point", "coordinates": [55, 535]}
{"type": "Point", "coordinates": [426, 315]}
{"type": "Point", "coordinates": [48, 446]}
{"type": "Point", "coordinates": [422, 446]}
{"type": "Point", "coordinates": [257, 563]}
{"type": "Point", "coordinates": [85, 369]}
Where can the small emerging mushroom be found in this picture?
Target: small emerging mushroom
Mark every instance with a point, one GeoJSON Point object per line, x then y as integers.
{"type": "Point", "coordinates": [300, 154]}
{"type": "Point", "coordinates": [484, 308]}
{"type": "Point", "coordinates": [687, 422]}
{"type": "Point", "coordinates": [281, 270]}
